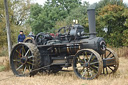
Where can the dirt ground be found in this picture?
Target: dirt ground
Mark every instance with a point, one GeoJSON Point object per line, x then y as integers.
{"type": "Point", "coordinates": [67, 78]}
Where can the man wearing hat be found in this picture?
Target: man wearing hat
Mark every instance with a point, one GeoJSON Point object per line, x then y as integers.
{"type": "Point", "coordinates": [21, 37]}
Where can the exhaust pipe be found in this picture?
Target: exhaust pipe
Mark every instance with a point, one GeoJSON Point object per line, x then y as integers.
{"type": "Point", "coordinates": [92, 23]}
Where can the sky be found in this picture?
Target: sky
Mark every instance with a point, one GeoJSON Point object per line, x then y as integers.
{"type": "Point", "coordinates": [41, 2]}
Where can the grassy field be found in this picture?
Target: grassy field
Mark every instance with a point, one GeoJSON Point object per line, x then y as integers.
{"type": "Point", "coordinates": [68, 78]}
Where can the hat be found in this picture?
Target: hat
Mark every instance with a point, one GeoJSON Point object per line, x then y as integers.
{"type": "Point", "coordinates": [21, 31]}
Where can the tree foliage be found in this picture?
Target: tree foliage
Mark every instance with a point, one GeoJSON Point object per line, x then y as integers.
{"type": "Point", "coordinates": [44, 18]}
{"type": "Point", "coordinates": [112, 17]}
{"type": "Point", "coordinates": [17, 16]}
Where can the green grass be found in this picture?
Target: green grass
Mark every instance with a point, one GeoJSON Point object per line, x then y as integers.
{"type": "Point", "coordinates": [2, 68]}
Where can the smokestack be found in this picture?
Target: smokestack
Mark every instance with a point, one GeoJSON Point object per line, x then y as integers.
{"type": "Point", "coordinates": [92, 23]}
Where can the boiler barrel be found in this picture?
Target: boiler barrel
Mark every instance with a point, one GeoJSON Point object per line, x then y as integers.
{"type": "Point", "coordinates": [69, 49]}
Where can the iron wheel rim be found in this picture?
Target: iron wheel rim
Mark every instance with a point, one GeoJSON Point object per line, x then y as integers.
{"type": "Point", "coordinates": [20, 65]}
{"type": "Point", "coordinates": [90, 71]}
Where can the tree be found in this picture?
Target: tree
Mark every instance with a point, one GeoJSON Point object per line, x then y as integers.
{"type": "Point", "coordinates": [53, 10]}
{"type": "Point", "coordinates": [112, 18]}
{"type": "Point", "coordinates": [79, 14]}
{"type": "Point", "coordinates": [21, 10]}
{"type": "Point", "coordinates": [14, 19]}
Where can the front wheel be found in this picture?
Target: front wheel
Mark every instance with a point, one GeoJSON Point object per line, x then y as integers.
{"type": "Point", "coordinates": [87, 64]}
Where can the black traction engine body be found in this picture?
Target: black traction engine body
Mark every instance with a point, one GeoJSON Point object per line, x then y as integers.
{"type": "Point", "coordinates": [71, 46]}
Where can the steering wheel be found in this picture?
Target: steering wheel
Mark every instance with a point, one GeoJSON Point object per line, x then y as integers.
{"type": "Point", "coordinates": [63, 32]}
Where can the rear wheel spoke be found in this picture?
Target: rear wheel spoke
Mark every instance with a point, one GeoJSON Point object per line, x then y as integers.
{"type": "Point", "coordinates": [106, 70]}
{"type": "Point", "coordinates": [30, 57]}
{"type": "Point", "coordinates": [111, 55]}
{"type": "Point", "coordinates": [110, 68]}
{"type": "Point", "coordinates": [18, 53]}
{"type": "Point", "coordinates": [108, 55]}
{"type": "Point", "coordinates": [16, 60]}
{"type": "Point", "coordinates": [19, 67]}
{"type": "Point", "coordinates": [24, 69]}
{"type": "Point", "coordinates": [29, 63]}
{"type": "Point", "coordinates": [29, 68]}
{"type": "Point", "coordinates": [27, 52]}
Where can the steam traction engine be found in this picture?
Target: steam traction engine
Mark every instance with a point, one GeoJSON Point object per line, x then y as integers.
{"type": "Point", "coordinates": [71, 47]}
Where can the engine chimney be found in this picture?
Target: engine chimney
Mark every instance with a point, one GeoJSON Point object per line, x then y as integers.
{"type": "Point", "coordinates": [92, 24]}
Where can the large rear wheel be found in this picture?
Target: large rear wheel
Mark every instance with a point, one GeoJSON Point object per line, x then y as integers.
{"type": "Point", "coordinates": [24, 59]}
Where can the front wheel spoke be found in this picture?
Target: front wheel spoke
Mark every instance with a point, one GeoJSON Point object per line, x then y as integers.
{"type": "Point", "coordinates": [88, 71]}
{"type": "Point", "coordinates": [93, 63]}
{"type": "Point", "coordinates": [86, 55]}
{"type": "Point", "coordinates": [93, 69]}
{"type": "Point", "coordinates": [90, 57]}
{"type": "Point", "coordinates": [91, 74]}
{"type": "Point", "coordinates": [19, 67]}
{"type": "Point", "coordinates": [93, 58]}
{"type": "Point", "coordinates": [83, 74]}
{"type": "Point", "coordinates": [80, 71]}
{"type": "Point", "coordinates": [79, 67]}
{"type": "Point", "coordinates": [94, 66]}
{"type": "Point", "coordinates": [84, 59]}
{"type": "Point", "coordinates": [79, 57]}
{"type": "Point", "coordinates": [80, 62]}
